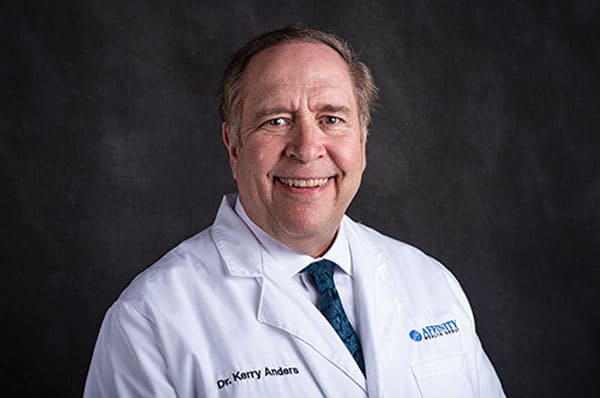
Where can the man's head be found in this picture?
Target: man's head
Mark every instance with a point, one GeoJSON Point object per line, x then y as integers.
{"type": "Point", "coordinates": [230, 97]}
{"type": "Point", "coordinates": [295, 138]}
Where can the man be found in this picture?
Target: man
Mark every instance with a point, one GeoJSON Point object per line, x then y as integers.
{"type": "Point", "coordinates": [284, 296]}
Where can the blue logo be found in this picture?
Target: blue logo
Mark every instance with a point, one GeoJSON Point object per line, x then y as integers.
{"type": "Point", "coordinates": [434, 331]}
{"type": "Point", "coordinates": [416, 336]}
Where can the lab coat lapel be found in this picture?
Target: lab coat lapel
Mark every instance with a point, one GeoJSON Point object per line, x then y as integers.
{"type": "Point", "coordinates": [377, 308]}
{"type": "Point", "coordinates": [237, 246]}
{"type": "Point", "coordinates": [284, 307]}
{"type": "Point", "coordinates": [282, 304]}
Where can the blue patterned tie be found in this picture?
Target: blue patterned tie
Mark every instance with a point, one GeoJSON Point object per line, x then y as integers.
{"type": "Point", "coordinates": [321, 273]}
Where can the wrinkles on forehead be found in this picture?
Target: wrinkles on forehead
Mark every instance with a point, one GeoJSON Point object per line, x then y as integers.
{"type": "Point", "coordinates": [319, 81]}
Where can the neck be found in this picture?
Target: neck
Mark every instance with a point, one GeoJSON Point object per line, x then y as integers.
{"type": "Point", "coordinates": [313, 249]}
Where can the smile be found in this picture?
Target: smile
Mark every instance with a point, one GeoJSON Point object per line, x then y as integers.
{"type": "Point", "coordinates": [303, 183]}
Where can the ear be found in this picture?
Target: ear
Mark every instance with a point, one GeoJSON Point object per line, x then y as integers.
{"type": "Point", "coordinates": [232, 149]}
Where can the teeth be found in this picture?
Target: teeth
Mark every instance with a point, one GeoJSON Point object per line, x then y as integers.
{"type": "Point", "coordinates": [304, 183]}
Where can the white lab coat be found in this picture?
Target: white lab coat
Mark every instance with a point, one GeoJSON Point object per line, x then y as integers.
{"type": "Point", "coordinates": [207, 321]}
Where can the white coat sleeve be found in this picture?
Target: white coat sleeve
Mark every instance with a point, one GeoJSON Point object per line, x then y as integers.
{"type": "Point", "coordinates": [127, 361]}
{"type": "Point", "coordinates": [488, 383]}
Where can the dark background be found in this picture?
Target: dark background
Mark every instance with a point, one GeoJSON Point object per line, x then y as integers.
{"type": "Point", "coordinates": [483, 152]}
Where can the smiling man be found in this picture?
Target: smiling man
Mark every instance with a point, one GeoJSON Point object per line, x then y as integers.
{"type": "Point", "coordinates": [284, 295]}
{"type": "Point", "coordinates": [299, 154]}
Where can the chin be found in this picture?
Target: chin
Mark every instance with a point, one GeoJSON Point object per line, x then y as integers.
{"type": "Point", "coordinates": [303, 228]}
{"type": "Point", "coordinates": [303, 231]}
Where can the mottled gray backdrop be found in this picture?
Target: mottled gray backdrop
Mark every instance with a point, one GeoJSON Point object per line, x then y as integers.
{"type": "Point", "coordinates": [484, 152]}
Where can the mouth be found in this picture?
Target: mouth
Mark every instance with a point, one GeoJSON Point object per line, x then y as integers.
{"type": "Point", "coordinates": [303, 182]}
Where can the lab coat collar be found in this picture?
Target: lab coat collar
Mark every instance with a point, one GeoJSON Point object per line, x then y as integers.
{"type": "Point", "coordinates": [280, 259]}
{"type": "Point", "coordinates": [377, 308]}
{"type": "Point", "coordinates": [376, 305]}
{"type": "Point", "coordinates": [245, 253]}
{"type": "Point", "coordinates": [282, 304]}
{"type": "Point", "coordinates": [242, 256]}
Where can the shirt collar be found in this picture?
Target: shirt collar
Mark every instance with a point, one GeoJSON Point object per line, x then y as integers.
{"type": "Point", "coordinates": [284, 261]}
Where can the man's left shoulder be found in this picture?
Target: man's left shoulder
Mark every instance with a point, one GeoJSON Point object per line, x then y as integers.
{"type": "Point", "coordinates": [393, 250]}
{"type": "Point", "coordinates": [404, 262]}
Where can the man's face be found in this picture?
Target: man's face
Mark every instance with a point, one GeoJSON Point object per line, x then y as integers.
{"type": "Point", "coordinates": [299, 158]}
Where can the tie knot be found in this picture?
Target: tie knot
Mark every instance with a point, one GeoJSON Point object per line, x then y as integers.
{"type": "Point", "coordinates": [322, 274]}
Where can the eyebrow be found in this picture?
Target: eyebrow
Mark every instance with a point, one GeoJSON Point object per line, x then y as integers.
{"type": "Point", "coordinates": [334, 109]}
{"type": "Point", "coordinates": [281, 109]}
{"type": "Point", "coordinates": [269, 111]}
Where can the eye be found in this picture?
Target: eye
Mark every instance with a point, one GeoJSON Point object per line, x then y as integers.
{"type": "Point", "coordinates": [277, 122]}
{"type": "Point", "coordinates": [331, 119]}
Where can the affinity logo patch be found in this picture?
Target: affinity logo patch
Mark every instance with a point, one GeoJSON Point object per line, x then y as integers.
{"type": "Point", "coordinates": [434, 331]}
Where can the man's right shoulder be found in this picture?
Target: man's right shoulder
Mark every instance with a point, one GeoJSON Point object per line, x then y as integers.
{"type": "Point", "coordinates": [193, 261]}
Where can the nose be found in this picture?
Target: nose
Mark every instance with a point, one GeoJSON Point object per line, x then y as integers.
{"type": "Point", "coordinates": [306, 142]}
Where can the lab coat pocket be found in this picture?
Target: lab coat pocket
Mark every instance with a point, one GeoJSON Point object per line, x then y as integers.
{"type": "Point", "coordinates": [447, 377]}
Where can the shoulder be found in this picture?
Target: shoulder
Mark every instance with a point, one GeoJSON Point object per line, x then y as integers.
{"type": "Point", "coordinates": [415, 274]}
{"type": "Point", "coordinates": [394, 250]}
{"type": "Point", "coordinates": [182, 269]}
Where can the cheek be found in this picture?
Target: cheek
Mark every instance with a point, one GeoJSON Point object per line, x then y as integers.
{"type": "Point", "coordinates": [351, 158]}
{"type": "Point", "coordinates": [252, 166]}
{"type": "Point", "coordinates": [262, 160]}
{"type": "Point", "coordinates": [262, 155]}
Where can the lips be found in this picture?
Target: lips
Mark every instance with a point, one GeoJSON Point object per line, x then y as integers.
{"type": "Point", "coordinates": [303, 182]}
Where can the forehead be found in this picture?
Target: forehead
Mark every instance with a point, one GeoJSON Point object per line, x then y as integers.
{"type": "Point", "coordinates": [313, 51]}
{"type": "Point", "coordinates": [294, 67]}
